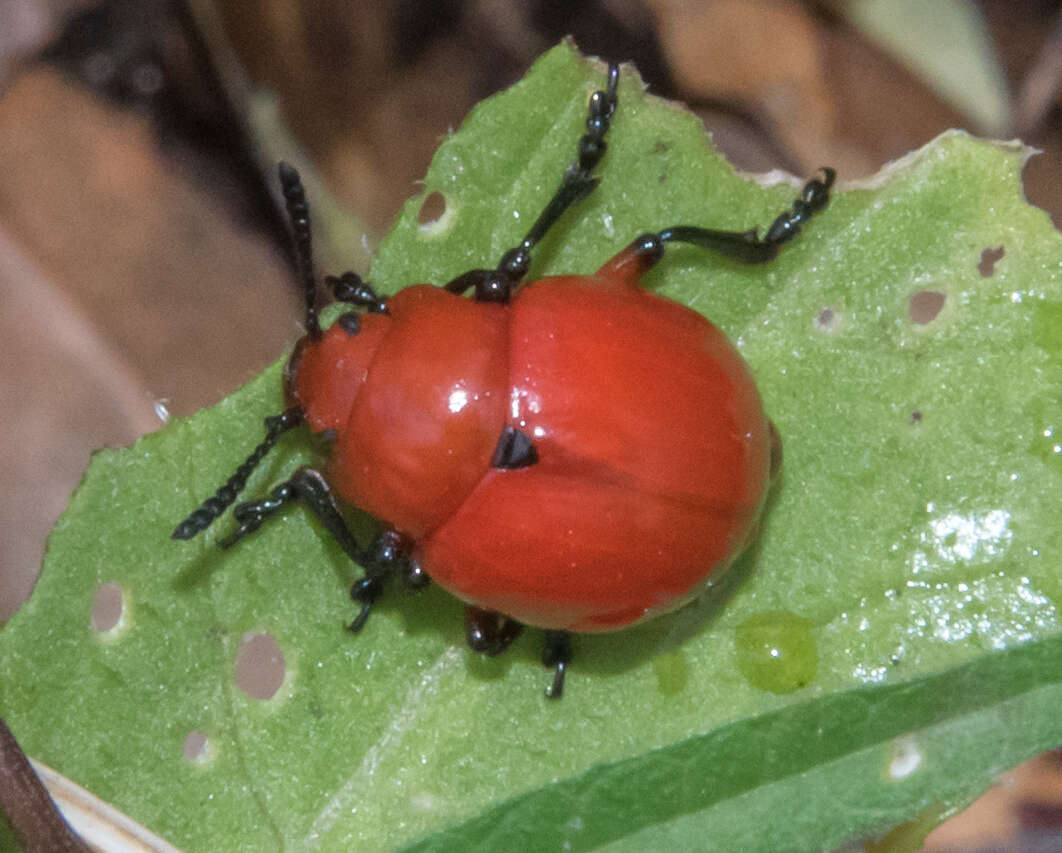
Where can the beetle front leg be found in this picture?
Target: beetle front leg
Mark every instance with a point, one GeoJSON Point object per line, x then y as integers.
{"type": "Point", "coordinates": [387, 556]}
{"type": "Point", "coordinates": [310, 487]}
{"type": "Point", "coordinates": [381, 561]}
{"type": "Point", "coordinates": [224, 497]}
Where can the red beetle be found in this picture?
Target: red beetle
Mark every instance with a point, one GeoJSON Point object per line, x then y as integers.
{"type": "Point", "coordinates": [572, 453]}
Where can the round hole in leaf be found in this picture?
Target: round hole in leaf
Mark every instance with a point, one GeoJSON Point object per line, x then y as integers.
{"type": "Point", "coordinates": [925, 305]}
{"type": "Point", "coordinates": [107, 607]}
{"type": "Point", "coordinates": [259, 666]}
{"type": "Point", "coordinates": [197, 747]}
{"type": "Point", "coordinates": [432, 210]}
{"type": "Point", "coordinates": [827, 320]}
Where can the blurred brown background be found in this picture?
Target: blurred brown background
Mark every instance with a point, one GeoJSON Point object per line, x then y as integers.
{"type": "Point", "coordinates": [143, 266]}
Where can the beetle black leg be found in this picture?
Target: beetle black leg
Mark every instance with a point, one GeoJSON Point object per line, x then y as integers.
{"type": "Point", "coordinates": [365, 592]}
{"type": "Point", "coordinates": [557, 653]}
{"type": "Point", "coordinates": [350, 288]}
{"type": "Point", "coordinates": [381, 560]}
{"type": "Point", "coordinates": [386, 556]}
{"type": "Point", "coordinates": [223, 498]}
{"type": "Point", "coordinates": [472, 279]}
{"type": "Point", "coordinates": [578, 180]}
{"type": "Point", "coordinates": [748, 246]}
{"type": "Point", "coordinates": [251, 514]}
{"type": "Point", "coordinates": [496, 285]}
{"type": "Point", "coordinates": [309, 487]}
{"type": "Point", "coordinates": [488, 632]}
{"type": "Point", "coordinates": [414, 576]}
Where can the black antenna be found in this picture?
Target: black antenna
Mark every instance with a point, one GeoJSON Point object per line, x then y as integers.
{"type": "Point", "coordinates": [276, 425]}
{"type": "Point", "coordinates": [299, 214]}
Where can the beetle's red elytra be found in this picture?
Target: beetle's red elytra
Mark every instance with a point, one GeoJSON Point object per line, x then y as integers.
{"type": "Point", "coordinates": [574, 453]}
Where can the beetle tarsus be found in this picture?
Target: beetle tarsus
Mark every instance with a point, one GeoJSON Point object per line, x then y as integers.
{"type": "Point", "coordinates": [387, 556]}
{"type": "Point", "coordinates": [557, 654]}
{"type": "Point", "coordinates": [365, 592]}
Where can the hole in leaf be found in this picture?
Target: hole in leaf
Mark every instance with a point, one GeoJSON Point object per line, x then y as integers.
{"type": "Point", "coordinates": [925, 305]}
{"type": "Point", "coordinates": [827, 320]}
{"type": "Point", "coordinates": [432, 212]}
{"type": "Point", "coordinates": [906, 759]}
{"type": "Point", "coordinates": [197, 747]}
{"type": "Point", "coordinates": [259, 666]}
{"type": "Point", "coordinates": [916, 417]}
{"type": "Point", "coordinates": [987, 265]}
{"type": "Point", "coordinates": [107, 607]}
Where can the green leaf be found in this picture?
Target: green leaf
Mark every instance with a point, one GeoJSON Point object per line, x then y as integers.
{"type": "Point", "coordinates": [888, 649]}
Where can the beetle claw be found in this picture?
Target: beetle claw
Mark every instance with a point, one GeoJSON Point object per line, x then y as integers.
{"type": "Point", "coordinates": [360, 619]}
{"type": "Point", "coordinates": [556, 689]}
